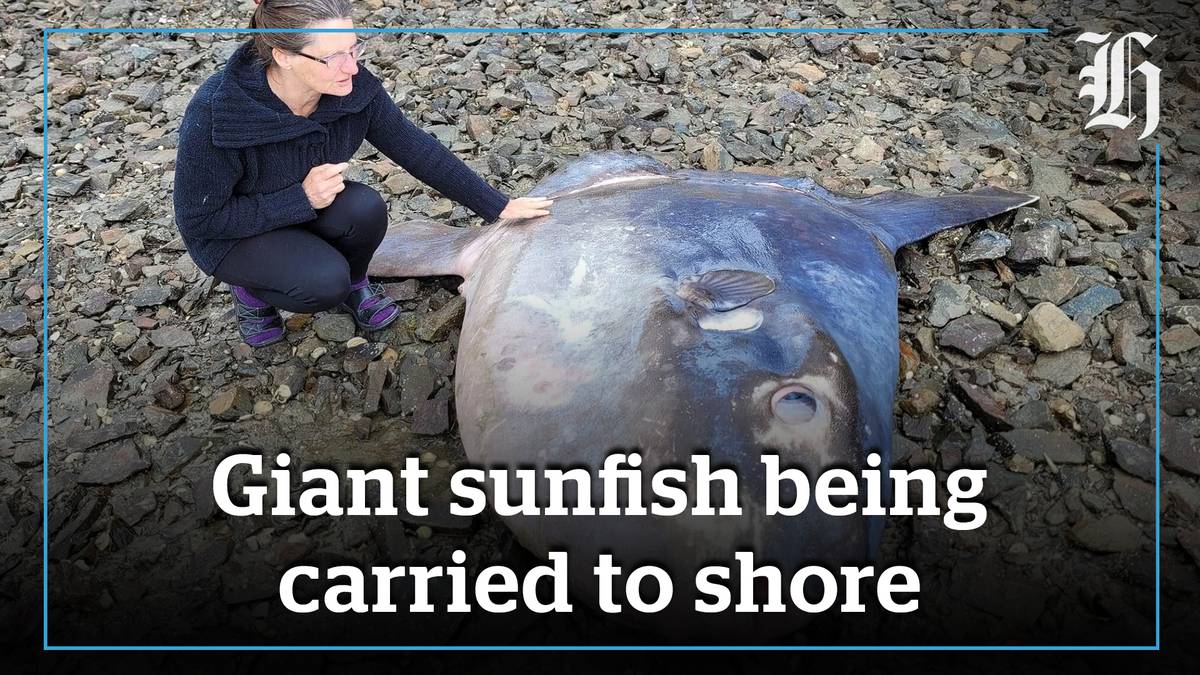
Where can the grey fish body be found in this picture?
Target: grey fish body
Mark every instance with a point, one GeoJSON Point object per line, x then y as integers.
{"type": "Point", "coordinates": [676, 312]}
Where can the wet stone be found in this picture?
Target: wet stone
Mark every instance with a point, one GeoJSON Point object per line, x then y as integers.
{"type": "Point", "coordinates": [172, 455]}
{"type": "Point", "coordinates": [67, 185]}
{"type": "Point", "coordinates": [1050, 330]}
{"type": "Point", "coordinates": [1051, 284]}
{"type": "Point", "coordinates": [89, 438]}
{"type": "Point", "coordinates": [1062, 368]}
{"type": "Point", "coordinates": [96, 302]}
{"type": "Point", "coordinates": [983, 404]}
{"type": "Point", "coordinates": [1035, 414]}
{"type": "Point", "coordinates": [1134, 458]}
{"type": "Point", "coordinates": [24, 347]}
{"type": "Point", "coordinates": [231, 404]}
{"type": "Point", "coordinates": [987, 245]}
{"type": "Point", "coordinates": [13, 320]}
{"type": "Point", "coordinates": [150, 295]}
{"type": "Point", "coordinates": [172, 337]}
{"type": "Point", "coordinates": [334, 327]}
{"type": "Point", "coordinates": [431, 417]}
{"type": "Point", "coordinates": [1179, 339]}
{"type": "Point", "coordinates": [436, 326]}
{"type": "Point", "coordinates": [1097, 214]}
{"type": "Point", "coordinates": [949, 302]}
{"type": "Point", "coordinates": [1180, 445]}
{"type": "Point", "coordinates": [417, 381]}
{"type": "Point", "coordinates": [972, 335]}
{"type": "Point", "coordinates": [1039, 245]}
{"type": "Point", "coordinates": [126, 209]}
{"type": "Point", "coordinates": [1037, 444]}
{"type": "Point", "coordinates": [1085, 307]}
{"type": "Point", "coordinates": [132, 505]}
{"type": "Point", "coordinates": [1113, 533]}
{"type": "Point", "coordinates": [88, 385]}
{"type": "Point", "coordinates": [112, 465]}
{"type": "Point", "coordinates": [377, 373]}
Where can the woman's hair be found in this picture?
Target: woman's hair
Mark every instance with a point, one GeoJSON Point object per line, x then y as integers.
{"type": "Point", "coordinates": [291, 14]}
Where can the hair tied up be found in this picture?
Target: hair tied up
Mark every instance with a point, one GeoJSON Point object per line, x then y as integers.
{"type": "Point", "coordinates": [291, 15]}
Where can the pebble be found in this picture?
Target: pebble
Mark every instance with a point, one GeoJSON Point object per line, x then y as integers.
{"type": "Point", "coordinates": [1038, 444]}
{"type": "Point", "coordinates": [14, 381]}
{"type": "Point", "coordinates": [950, 301]}
{"type": "Point", "coordinates": [972, 335]}
{"type": "Point", "coordinates": [112, 465]}
{"type": "Point", "coordinates": [172, 337]}
{"type": "Point", "coordinates": [13, 320]}
{"type": "Point", "coordinates": [1085, 307]}
{"type": "Point", "coordinates": [1061, 369]}
{"type": "Point", "coordinates": [1113, 533]}
{"type": "Point", "coordinates": [986, 245]}
{"type": "Point", "coordinates": [1040, 245]}
{"type": "Point", "coordinates": [1097, 214]}
{"type": "Point", "coordinates": [1180, 339]}
{"type": "Point", "coordinates": [334, 327]}
{"type": "Point", "coordinates": [230, 404]}
{"type": "Point", "coordinates": [435, 326]}
{"type": "Point", "coordinates": [1050, 330]}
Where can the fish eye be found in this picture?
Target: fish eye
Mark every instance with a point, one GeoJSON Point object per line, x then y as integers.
{"type": "Point", "coordinates": [794, 404]}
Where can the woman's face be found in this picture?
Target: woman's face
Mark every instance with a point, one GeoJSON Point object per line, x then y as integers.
{"type": "Point", "coordinates": [334, 79]}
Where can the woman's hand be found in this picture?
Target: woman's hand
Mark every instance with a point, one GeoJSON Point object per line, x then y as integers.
{"type": "Point", "coordinates": [323, 182]}
{"type": "Point", "coordinates": [526, 207]}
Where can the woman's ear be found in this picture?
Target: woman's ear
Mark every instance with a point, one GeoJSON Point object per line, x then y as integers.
{"type": "Point", "coordinates": [282, 59]}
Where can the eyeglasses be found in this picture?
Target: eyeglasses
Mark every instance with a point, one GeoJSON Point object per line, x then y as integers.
{"type": "Point", "coordinates": [340, 59]}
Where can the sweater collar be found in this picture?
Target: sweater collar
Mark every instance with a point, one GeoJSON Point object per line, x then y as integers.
{"type": "Point", "coordinates": [246, 112]}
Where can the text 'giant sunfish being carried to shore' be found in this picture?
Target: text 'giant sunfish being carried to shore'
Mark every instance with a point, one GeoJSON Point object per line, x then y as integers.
{"type": "Point", "coordinates": [675, 311]}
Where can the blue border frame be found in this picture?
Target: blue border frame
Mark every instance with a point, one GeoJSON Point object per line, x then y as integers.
{"type": "Point", "coordinates": [46, 646]}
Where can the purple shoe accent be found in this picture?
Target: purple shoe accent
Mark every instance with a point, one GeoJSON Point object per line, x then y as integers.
{"type": "Point", "coordinates": [371, 308]}
{"type": "Point", "coordinates": [259, 323]}
{"type": "Point", "coordinates": [266, 337]}
{"type": "Point", "coordinates": [373, 299]}
{"type": "Point", "coordinates": [248, 299]}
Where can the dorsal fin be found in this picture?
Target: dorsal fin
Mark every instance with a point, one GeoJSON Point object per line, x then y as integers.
{"type": "Point", "coordinates": [897, 218]}
{"type": "Point", "coordinates": [595, 168]}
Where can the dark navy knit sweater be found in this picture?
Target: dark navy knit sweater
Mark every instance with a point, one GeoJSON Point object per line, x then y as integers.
{"type": "Point", "coordinates": [243, 155]}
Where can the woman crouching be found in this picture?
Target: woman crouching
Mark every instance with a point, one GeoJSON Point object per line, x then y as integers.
{"type": "Point", "coordinates": [259, 196]}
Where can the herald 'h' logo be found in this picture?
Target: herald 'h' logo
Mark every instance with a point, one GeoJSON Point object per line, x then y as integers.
{"type": "Point", "coordinates": [1112, 82]}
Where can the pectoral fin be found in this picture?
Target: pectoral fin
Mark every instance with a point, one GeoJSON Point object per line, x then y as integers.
{"type": "Point", "coordinates": [422, 248]}
{"type": "Point", "coordinates": [724, 290]}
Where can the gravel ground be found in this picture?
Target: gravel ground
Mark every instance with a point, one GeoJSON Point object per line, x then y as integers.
{"type": "Point", "coordinates": [1027, 341]}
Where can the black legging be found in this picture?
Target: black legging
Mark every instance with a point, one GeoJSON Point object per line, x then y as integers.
{"type": "Point", "coordinates": [309, 267]}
